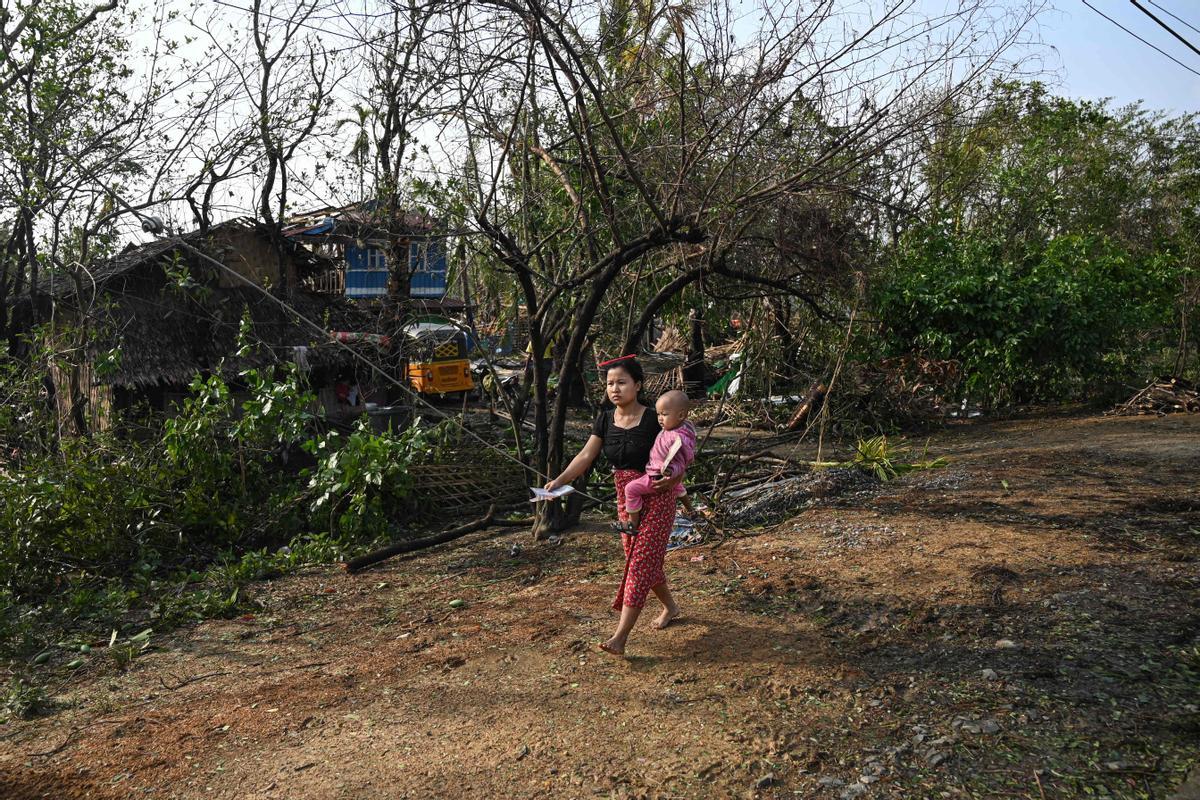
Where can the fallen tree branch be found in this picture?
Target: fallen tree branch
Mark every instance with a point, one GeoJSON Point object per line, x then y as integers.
{"type": "Point", "coordinates": [1163, 396]}
{"type": "Point", "coordinates": [362, 562]}
{"type": "Point", "coordinates": [812, 402]}
{"type": "Point", "coordinates": [522, 522]}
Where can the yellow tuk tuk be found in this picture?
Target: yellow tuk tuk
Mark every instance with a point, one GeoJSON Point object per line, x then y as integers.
{"type": "Point", "coordinates": [437, 358]}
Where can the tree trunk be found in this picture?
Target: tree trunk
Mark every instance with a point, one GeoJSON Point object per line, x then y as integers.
{"type": "Point", "coordinates": [362, 562]}
{"type": "Point", "coordinates": [780, 311]}
{"type": "Point", "coordinates": [572, 383]}
{"type": "Point", "coordinates": [397, 259]}
{"type": "Point", "coordinates": [556, 517]}
{"type": "Point", "coordinates": [694, 371]}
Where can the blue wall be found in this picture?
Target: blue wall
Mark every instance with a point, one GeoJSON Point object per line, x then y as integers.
{"type": "Point", "coordinates": [427, 266]}
{"type": "Point", "coordinates": [367, 273]}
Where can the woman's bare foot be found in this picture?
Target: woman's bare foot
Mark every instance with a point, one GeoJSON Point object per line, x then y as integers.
{"type": "Point", "coordinates": [664, 619]}
{"type": "Point", "coordinates": [614, 647]}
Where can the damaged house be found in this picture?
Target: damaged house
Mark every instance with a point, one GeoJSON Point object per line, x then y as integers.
{"type": "Point", "coordinates": [394, 261]}
{"type": "Point", "coordinates": [152, 318]}
{"type": "Point", "coordinates": [374, 255]}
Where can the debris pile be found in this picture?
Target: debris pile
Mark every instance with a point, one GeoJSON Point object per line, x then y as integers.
{"type": "Point", "coordinates": [684, 533]}
{"type": "Point", "coordinates": [729, 412]}
{"type": "Point", "coordinates": [1163, 396]}
{"type": "Point", "coordinates": [909, 390]}
{"type": "Point", "coordinates": [778, 496]}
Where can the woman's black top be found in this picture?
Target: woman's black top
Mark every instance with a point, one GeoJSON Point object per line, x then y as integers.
{"type": "Point", "coordinates": [627, 448]}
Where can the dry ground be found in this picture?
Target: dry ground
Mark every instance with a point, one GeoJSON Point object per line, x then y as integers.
{"type": "Point", "coordinates": [1023, 623]}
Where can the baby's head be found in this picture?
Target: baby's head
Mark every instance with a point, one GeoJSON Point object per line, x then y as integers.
{"type": "Point", "coordinates": [672, 408]}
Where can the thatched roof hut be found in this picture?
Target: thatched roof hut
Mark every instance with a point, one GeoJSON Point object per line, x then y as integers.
{"type": "Point", "coordinates": [168, 338]}
{"type": "Point", "coordinates": [172, 314]}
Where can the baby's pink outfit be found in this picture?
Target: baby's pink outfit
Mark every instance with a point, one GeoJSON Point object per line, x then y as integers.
{"type": "Point", "coordinates": [639, 488]}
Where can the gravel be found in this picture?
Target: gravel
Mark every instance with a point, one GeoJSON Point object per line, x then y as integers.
{"type": "Point", "coordinates": [840, 536]}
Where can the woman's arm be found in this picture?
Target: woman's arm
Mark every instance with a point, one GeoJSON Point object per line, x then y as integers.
{"type": "Point", "coordinates": [579, 463]}
{"type": "Point", "coordinates": [665, 483]}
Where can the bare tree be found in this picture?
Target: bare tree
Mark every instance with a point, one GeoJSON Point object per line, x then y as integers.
{"type": "Point", "coordinates": [79, 129]}
{"type": "Point", "coordinates": [604, 138]}
{"type": "Point", "coordinates": [284, 76]}
{"type": "Point", "coordinates": [88, 146]}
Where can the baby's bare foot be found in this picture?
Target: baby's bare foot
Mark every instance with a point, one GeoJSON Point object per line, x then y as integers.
{"type": "Point", "coordinates": [667, 616]}
{"type": "Point", "coordinates": [613, 646]}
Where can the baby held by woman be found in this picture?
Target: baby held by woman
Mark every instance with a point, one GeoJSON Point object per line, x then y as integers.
{"type": "Point", "coordinates": [674, 448]}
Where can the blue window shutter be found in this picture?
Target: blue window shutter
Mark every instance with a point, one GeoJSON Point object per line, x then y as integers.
{"type": "Point", "coordinates": [427, 263]}
{"type": "Point", "coordinates": [366, 272]}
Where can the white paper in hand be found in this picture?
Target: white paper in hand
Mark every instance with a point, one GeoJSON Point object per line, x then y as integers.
{"type": "Point", "coordinates": [540, 494]}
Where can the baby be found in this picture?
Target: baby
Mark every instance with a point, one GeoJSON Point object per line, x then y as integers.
{"type": "Point", "coordinates": [673, 449]}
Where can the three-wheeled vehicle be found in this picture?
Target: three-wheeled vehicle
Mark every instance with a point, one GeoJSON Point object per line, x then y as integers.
{"type": "Point", "coordinates": [437, 358]}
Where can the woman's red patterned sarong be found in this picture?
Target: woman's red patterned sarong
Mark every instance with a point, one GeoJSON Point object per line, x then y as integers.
{"type": "Point", "coordinates": [645, 552]}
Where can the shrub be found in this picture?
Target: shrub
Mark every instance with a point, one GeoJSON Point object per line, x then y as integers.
{"type": "Point", "coordinates": [173, 527]}
{"type": "Point", "coordinates": [1060, 321]}
{"type": "Point", "coordinates": [361, 481]}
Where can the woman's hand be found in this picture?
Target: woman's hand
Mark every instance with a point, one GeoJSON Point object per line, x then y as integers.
{"type": "Point", "coordinates": [666, 483]}
{"type": "Point", "coordinates": [579, 464]}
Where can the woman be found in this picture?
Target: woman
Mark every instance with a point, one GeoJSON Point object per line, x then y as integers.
{"type": "Point", "coordinates": [625, 434]}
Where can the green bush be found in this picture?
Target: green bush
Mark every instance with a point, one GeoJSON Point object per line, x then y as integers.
{"type": "Point", "coordinates": [111, 508]}
{"type": "Point", "coordinates": [1066, 320]}
{"type": "Point", "coordinates": [362, 480]}
{"type": "Point", "coordinates": [223, 458]}
{"type": "Point", "coordinates": [172, 528]}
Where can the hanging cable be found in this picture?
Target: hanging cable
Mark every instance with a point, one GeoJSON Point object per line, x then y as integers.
{"type": "Point", "coordinates": [1176, 17]}
{"type": "Point", "coordinates": [1164, 26]}
{"type": "Point", "coordinates": [1140, 39]}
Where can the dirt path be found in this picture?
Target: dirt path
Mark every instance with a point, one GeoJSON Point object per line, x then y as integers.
{"type": "Point", "coordinates": [1023, 623]}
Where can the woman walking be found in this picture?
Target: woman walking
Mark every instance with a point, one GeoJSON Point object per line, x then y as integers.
{"type": "Point", "coordinates": [625, 434]}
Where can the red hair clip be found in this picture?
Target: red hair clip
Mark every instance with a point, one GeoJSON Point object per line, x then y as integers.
{"type": "Point", "coordinates": [616, 360]}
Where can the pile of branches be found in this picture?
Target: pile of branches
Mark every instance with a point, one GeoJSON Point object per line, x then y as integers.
{"type": "Point", "coordinates": [739, 413]}
{"type": "Point", "coordinates": [764, 487]}
{"type": "Point", "coordinates": [1163, 396]}
{"type": "Point", "coordinates": [907, 390]}
{"type": "Point", "coordinates": [781, 494]}
{"type": "Point", "coordinates": [772, 414]}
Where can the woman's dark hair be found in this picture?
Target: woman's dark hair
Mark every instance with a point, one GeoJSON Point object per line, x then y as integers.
{"type": "Point", "coordinates": [631, 366]}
